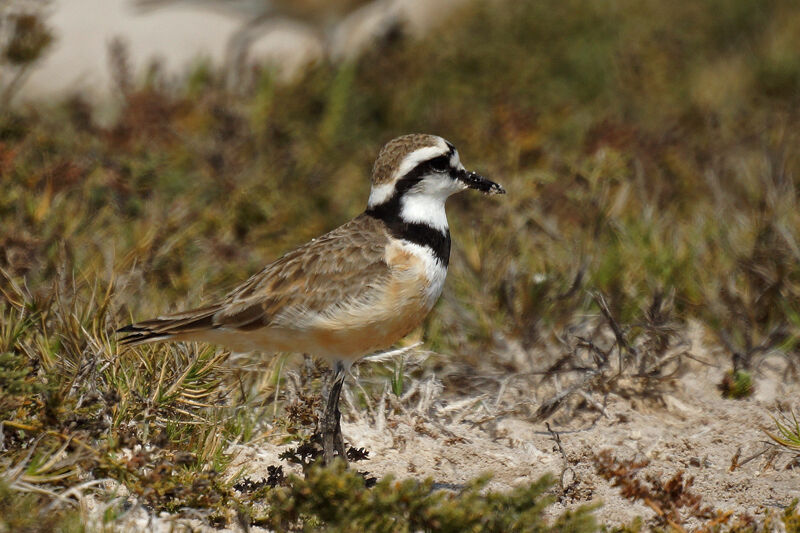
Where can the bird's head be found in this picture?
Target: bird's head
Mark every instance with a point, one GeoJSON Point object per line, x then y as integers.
{"type": "Point", "coordinates": [421, 169]}
{"type": "Point", "coordinates": [421, 164]}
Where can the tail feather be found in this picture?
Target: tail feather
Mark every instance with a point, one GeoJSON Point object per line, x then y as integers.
{"type": "Point", "coordinates": [166, 327]}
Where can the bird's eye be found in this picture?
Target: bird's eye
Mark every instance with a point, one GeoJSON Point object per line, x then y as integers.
{"type": "Point", "coordinates": [440, 164]}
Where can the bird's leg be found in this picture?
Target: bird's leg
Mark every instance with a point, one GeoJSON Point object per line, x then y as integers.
{"type": "Point", "coordinates": [331, 422]}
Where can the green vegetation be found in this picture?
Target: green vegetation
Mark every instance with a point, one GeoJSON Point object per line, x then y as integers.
{"type": "Point", "coordinates": [337, 498]}
{"type": "Point", "coordinates": [788, 434]}
{"type": "Point", "coordinates": [23, 512]}
{"type": "Point", "coordinates": [649, 150]}
{"type": "Point", "coordinates": [736, 384]}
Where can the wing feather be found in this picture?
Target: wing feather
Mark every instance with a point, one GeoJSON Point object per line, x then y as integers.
{"type": "Point", "coordinates": [345, 265]}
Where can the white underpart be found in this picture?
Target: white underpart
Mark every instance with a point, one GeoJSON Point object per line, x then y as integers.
{"type": "Point", "coordinates": [435, 271]}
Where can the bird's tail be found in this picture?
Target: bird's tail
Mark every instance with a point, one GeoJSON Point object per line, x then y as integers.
{"type": "Point", "coordinates": [167, 327]}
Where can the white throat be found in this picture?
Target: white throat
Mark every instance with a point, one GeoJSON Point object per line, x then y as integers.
{"type": "Point", "coordinates": [425, 209]}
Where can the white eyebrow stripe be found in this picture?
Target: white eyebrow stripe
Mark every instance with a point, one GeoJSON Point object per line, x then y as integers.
{"type": "Point", "coordinates": [418, 156]}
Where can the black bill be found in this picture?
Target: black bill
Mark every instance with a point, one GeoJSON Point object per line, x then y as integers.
{"type": "Point", "coordinates": [474, 180]}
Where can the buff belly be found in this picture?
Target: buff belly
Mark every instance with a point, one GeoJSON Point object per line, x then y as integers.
{"type": "Point", "coordinates": [347, 337]}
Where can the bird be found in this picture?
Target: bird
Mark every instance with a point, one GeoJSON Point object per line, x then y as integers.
{"type": "Point", "coordinates": [352, 292]}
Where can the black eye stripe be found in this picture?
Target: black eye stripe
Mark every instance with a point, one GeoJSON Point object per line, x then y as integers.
{"type": "Point", "coordinates": [413, 176]}
{"type": "Point", "coordinates": [440, 164]}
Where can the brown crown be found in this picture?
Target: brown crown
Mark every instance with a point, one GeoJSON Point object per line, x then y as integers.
{"type": "Point", "coordinates": [395, 150]}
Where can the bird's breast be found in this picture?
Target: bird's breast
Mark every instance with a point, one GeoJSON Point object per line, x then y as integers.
{"type": "Point", "coordinates": [393, 311]}
{"type": "Point", "coordinates": [418, 276]}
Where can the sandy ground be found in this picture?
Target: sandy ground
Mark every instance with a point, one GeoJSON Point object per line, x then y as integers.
{"type": "Point", "coordinates": [691, 429]}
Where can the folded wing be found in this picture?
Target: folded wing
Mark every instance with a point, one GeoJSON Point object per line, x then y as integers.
{"type": "Point", "coordinates": [344, 266]}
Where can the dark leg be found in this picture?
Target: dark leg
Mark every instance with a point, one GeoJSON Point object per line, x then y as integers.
{"type": "Point", "coordinates": [332, 440]}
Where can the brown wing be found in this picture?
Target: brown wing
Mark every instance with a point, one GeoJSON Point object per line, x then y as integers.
{"type": "Point", "coordinates": [341, 266]}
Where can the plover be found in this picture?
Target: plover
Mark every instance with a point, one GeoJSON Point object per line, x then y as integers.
{"type": "Point", "coordinates": [353, 291]}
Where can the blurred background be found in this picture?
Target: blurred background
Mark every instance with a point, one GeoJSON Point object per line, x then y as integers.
{"type": "Point", "coordinates": [649, 149]}
{"type": "Point", "coordinates": [283, 36]}
{"type": "Point", "coordinates": [153, 153]}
